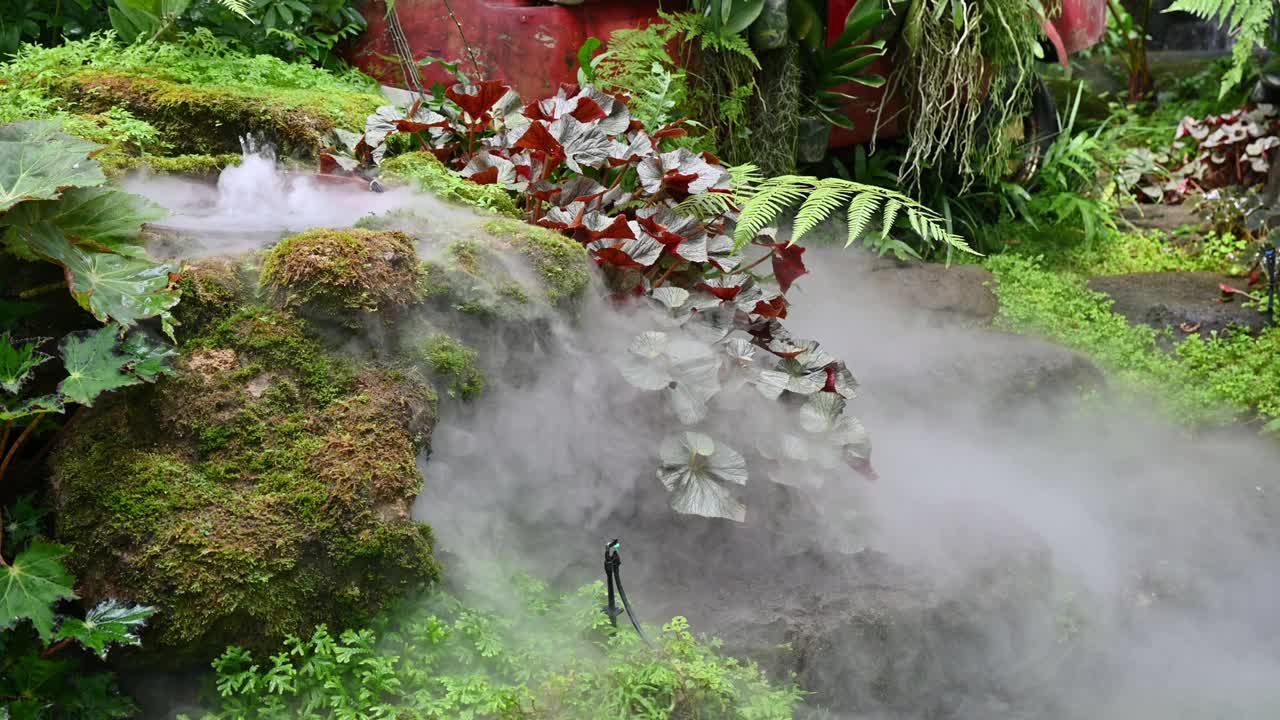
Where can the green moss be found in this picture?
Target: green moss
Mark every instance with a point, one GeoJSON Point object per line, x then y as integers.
{"type": "Point", "coordinates": [195, 119]}
{"type": "Point", "coordinates": [453, 363]}
{"type": "Point", "coordinates": [342, 270]}
{"type": "Point", "coordinates": [211, 289]}
{"type": "Point", "coordinates": [561, 263]}
{"type": "Point", "coordinates": [274, 340]}
{"type": "Point", "coordinates": [1211, 381]}
{"type": "Point", "coordinates": [263, 489]}
{"type": "Point", "coordinates": [425, 172]}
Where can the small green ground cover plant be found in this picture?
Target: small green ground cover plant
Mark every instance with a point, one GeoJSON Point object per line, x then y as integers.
{"type": "Point", "coordinates": [1202, 382]}
{"type": "Point", "coordinates": [539, 657]}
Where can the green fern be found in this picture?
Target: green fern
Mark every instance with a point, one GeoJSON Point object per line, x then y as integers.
{"type": "Point", "coordinates": [1247, 20]}
{"type": "Point", "coordinates": [818, 200]}
{"type": "Point", "coordinates": [240, 7]}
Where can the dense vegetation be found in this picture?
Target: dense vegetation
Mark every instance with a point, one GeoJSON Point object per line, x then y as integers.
{"type": "Point", "coordinates": [677, 167]}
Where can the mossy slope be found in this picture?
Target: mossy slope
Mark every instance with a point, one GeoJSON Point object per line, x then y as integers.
{"type": "Point", "coordinates": [263, 489]}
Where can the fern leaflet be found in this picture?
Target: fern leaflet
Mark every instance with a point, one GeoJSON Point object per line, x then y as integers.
{"type": "Point", "coordinates": [830, 194]}
{"type": "Point", "coordinates": [1247, 20]}
{"type": "Point", "coordinates": [859, 215]}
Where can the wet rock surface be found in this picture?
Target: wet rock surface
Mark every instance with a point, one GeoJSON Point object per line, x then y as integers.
{"type": "Point", "coordinates": [1183, 301]}
{"type": "Point", "coordinates": [957, 293]}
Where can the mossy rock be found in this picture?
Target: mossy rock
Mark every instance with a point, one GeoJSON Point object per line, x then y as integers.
{"type": "Point", "coordinates": [493, 266]}
{"type": "Point", "coordinates": [339, 271]}
{"type": "Point", "coordinates": [425, 172]}
{"type": "Point", "coordinates": [453, 364]}
{"type": "Point", "coordinates": [210, 121]}
{"type": "Point", "coordinates": [262, 490]}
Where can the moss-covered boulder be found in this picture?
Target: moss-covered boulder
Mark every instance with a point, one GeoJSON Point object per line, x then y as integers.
{"type": "Point", "coordinates": [339, 271]}
{"type": "Point", "coordinates": [263, 489]}
{"type": "Point", "coordinates": [197, 119]}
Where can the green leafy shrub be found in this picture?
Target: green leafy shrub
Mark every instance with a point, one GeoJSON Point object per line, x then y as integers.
{"type": "Point", "coordinates": [547, 657]}
{"type": "Point", "coordinates": [1202, 381]}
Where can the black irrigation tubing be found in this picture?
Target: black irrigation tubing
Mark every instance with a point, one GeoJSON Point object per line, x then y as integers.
{"type": "Point", "coordinates": [612, 563]}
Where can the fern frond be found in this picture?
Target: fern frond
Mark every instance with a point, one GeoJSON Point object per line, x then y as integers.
{"type": "Point", "coordinates": [889, 216]}
{"type": "Point", "coordinates": [1247, 20]}
{"type": "Point", "coordinates": [239, 7]}
{"type": "Point", "coordinates": [859, 215]}
{"type": "Point", "coordinates": [830, 194]}
{"type": "Point", "coordinates": [744, 179]}
{"type": "Point", "coordinates": [770, 200]}
{"type": "Point", "coordinates": [705, 205]}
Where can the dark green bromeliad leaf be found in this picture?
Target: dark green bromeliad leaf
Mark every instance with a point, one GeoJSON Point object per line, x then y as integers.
{"type": "Point", "coordinates": [37, 162]}
{"type": "Point", "coordinates": [697, 472]}
{"type": "Point", "coordinates": [97, 362]}
{"type": "Point", "coordinates": [110, 623]}
{"type": "Point", "coordinates": [99, 218]}
{"type": "Point", "coordinates": [32, 584]}
{"type": "Point", "coordinates": [17, 359]}
{"type": "Point", "coordinates": [112, 287]}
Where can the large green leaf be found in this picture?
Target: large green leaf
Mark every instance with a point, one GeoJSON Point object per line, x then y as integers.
{"type": "Point", "coordinates": [112, 287]}
{"type": "Point", "coordinates": [97, 218]}
{"type": "Point", "coordinates": [37, 162]}
{"type": "Point", "coordinates": [34, 406]}
{"type": "Point", "coordinates": [697, 471]}
{"type": "Point", "coordinates": [17, 359]}
{"type": "Point", "coordinates": [32, 584]}
{"type": "Point", "coordinates": [148, 358]}
{"type": "Point", "coordinates": [22, 522]}
{"type": "Point", "coordinates": [110, 623]}
{"type": "Point", "coordinates": [96, 364]}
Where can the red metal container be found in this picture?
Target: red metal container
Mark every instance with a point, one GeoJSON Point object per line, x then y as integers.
{"type": "Point", "coordinates": [534, 47]}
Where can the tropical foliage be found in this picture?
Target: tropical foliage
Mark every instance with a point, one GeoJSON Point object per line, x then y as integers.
{"type": "Point", "coordinates": [675, 227]}
{"type": "Point", "coordinates": [36, 682]}
{"type": "Point", "coordinates": [1248, 20]}
{"type": "Point", "coordinates": [535, 656]}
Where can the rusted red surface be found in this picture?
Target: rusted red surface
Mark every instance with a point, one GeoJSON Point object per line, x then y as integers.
{"type": "Point", "coordinates": [535, 47]}
{"type": "Point", "coordinates": [1082, 23]}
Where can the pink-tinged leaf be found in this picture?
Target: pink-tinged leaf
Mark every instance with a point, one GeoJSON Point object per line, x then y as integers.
{"type": "Point", "coordinates": [486, 169]}
{"type": "Point", "coordinates": [640, 147]}
{"type": "Point", "coordinates": [422, 119]}
{"type": "Point", "coordinates": [588, 110]}
{"type": "Point", "coordinates": [568, 217]}
{"type": "Point", "coordinates": [536, 137]}
{"type": "Point", "coordinates": [681, 174]}
{"type": "Point", "coordinates": [380, 124]}
{"type": "Point", "coordinates": [725, 287]}
{"type": "Point", "coordinates": [671, 130]}
{"type": "Point", "coordinates": [788, 265]}
{"type": "Point", "coordinates": [477, 100]}
{"type": "Point", "coordinates": [691, 250]}
{"type": "Point", "coordinates": [584, 145]}
{"type": "Point", "coordinates": [667, 227]}
{"type": "Point", "coordinates": [638, 254]}
{"type": "Point", "coordinates": [598, 226]}
{"type": "Point", "coordinates": [579, 189]}
{"type": "Point", "coordinates": [335, 163]}
{"type": "Point", "coordinates": [862, 466]}
{"type": "Point", "coordinates": [774, 308]}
